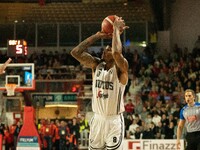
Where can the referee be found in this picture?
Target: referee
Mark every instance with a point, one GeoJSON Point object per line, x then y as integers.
{"type": "Point", "coordinates": [190, 118]}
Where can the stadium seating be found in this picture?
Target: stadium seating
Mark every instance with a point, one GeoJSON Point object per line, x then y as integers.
{"type": "Point", "coordinates": [73, 12]}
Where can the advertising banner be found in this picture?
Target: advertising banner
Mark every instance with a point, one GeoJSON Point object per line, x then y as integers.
{"type": "Point", "coordinates": [162, 144]}
{"type": "Point", "coordinates": [28, 143]}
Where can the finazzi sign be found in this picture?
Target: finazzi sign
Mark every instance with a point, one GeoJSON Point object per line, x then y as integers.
{"type": "Point", "coordinates": [152, 145]}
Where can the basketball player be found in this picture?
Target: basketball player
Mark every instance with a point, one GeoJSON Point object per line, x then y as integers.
{"type": "Point", "coordinates": [190, 117]}
{"type": "Point", "coordinates": [3, 67]}
{"type": "Point", "coordinates": [110, 76]}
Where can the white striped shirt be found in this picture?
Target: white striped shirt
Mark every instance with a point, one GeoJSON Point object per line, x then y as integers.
{"type": "Point", "coordinates": [107, 91]}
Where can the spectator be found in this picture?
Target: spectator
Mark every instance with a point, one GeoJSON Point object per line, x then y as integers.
{"type": "Point", "coordinates": [129, 107]}
{"type": "Point", "coordinates": [138, 133]}
{"type": "Point", "coordinates": [176, 113]}
{"type": "Point", "coordinates": [132, 129]}
{"type": "Point", "coordinates": [164, 120]}
{"type": "Point", "coordinates": [169, 134]}
{"type": "Point", "coordinates": [156, 118]}
{"type": "Point", "coordinates": [74, 130]}
{"type": "Point", "coordinates": [148, 132]}
{"type": "Point", "coordinates": [128, 119]}
{"type": "Point", "coordinates": [64, 134]}
{"type": "Point", "coordinates": [144, 113]}
{"type": "Point", "coordinates": [171, 119]}
{"type": "Point", "coordinates": [84, 130]}
{"type": "Point", "coordinates": [139, 104]}
{"type": "Point", "coordinates": [148, 119]}
{"type": "Point", "coordinates": [48, 134]}
{"type": "Point", "coordinates": [160, 131]}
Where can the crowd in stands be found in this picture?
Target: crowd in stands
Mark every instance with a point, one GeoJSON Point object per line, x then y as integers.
{"type": "Point", "coordinates": [153, 96]}
{"type": "Point", "coordinates": [155, 93]}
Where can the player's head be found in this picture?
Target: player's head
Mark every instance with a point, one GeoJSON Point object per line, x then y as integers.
{"type": "Point", "coordinates": [189, 96]}
{"type": "Point", "coordinates": [107, 53]}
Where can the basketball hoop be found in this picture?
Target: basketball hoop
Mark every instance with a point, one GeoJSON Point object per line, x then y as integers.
{"type": "Point", "coordinates": [10, 88]}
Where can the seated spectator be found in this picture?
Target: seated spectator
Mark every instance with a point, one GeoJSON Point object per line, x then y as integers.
{"type": "Point", "coordinates": [171, 119]}
{"type": "Point", "coordinates": [156, 118]}
{"type": "Point", "coordinates": [139, 104]}
{"type": "Point", "coordinates": [138, 133]}
{"type": "Point", "coordinates": [169, 134]}
{"type": "Point", "coordinates": [144, 113]}
{"type": "Point", "coordinates": [132, 129]}
{"type": "Point", "coordinates": [148, 132]}
{"type": "Point", "coordinates": [128, 119]}
{"type": "Point", "coordinates": [148, 119]}
{"type": "Point", "coordinates": [153, 94]}
{"type": "Point", "coordinates": [129, 107]}
{"type": "Point", "coordinates": [160, 131]}
{"type": "Point", "coordinates": [137, 118]}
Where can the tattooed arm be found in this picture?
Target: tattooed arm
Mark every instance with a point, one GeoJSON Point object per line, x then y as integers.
{"type": "Point", "coordinates": [120, 61]}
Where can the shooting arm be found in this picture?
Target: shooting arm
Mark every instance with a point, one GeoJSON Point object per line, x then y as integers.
{"type": "Point", "coordinates": [120, 61]}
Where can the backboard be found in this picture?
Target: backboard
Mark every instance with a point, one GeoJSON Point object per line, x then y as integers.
{"type": "Point", "coordinates": [21, 74]}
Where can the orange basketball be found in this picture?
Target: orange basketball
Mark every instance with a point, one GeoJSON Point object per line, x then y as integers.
{"type": "Point", "coordinates": [107, 24]}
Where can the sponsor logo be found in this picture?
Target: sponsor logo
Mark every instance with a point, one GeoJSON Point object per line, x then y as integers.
{"type": "Point", "coordinates": [134, 145]}
{"type": "Point", "coordinates": [192, 118]}
{"type": "Point", "coordinates": [151, 145]}
{"type": "Point", "coordinates": [158, 146]}
{"type": "Point", "coordinates": [102, 95]}
{"type": "Point", "coordinates": [104, 85]}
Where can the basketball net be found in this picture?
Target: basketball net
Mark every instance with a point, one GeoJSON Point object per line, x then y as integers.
{"type": "Point", "coordinates": [10, 88]}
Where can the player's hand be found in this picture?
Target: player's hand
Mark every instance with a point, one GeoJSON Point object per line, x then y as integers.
{"type": "Point", "coordinates": [119, 24]}
{"type": "Point", "coordinates": [3, 67]}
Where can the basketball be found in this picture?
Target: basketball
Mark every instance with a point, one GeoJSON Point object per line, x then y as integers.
{"type": "Point", "coordinates": [107, 24]}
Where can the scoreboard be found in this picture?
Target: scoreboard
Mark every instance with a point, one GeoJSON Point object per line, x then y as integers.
{"type": "Point", "coordinates": [17, 48]}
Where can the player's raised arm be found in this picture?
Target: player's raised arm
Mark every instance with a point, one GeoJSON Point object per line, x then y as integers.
{"type": "Point", "coordinates": [3, 67]}
{"type": "Point", "coordinates": [120, 61]}
{"type": "Point", "coordinates": [80, 52]}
